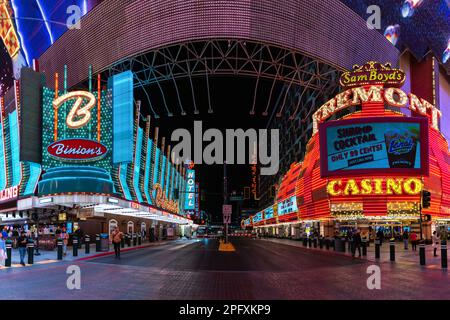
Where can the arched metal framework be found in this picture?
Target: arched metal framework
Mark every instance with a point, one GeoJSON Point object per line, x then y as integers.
{"type": "Point", "coordinates": [303, 77]}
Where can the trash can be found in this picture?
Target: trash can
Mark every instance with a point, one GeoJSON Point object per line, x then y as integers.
{"type": "Point", "coordinates": [104, 242]}
{"type": "Point", "coordinates": [339, 245]}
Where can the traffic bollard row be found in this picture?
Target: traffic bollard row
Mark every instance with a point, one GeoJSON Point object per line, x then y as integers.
{"type": "Point", "coordinates": [377, 248]}
{"type": "Point", "coordinates": [75, 247]}
{"type": "Point", "coordinates": [444, 254]}
{"type": "Point", "coordinates": [392, 249]}
{"type": "Point", "coordinates": [59, 244]}
{"type": "Point", "coordinates": [30, 248]}
{"type": "Point", "coordinates": [87, 243]}
{"type": "Point", "coordinates": [8, 253]}
{"type": "Point", "coordinates": [422, 253]}
{"type": "Point", "coordinates": [97, 243]}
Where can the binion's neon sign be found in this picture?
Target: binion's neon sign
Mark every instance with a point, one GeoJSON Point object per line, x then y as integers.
{"type": "Point", "coordinates": [79, 115]}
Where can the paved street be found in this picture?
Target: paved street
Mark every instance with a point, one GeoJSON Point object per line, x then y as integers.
{"type": "Point", "coordinates": [195, 269]}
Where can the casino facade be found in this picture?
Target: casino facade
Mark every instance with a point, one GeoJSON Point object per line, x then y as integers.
{"type": "Point", "coordinates": [82, 157]}
{"type": "Point", "coordinates": [374, 149]}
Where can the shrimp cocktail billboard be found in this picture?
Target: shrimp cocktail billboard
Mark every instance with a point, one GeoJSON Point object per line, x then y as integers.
{"type": "Point", "coordinates": [368, 145]}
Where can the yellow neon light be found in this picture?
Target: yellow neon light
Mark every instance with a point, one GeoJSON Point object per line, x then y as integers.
{"type": "Point", "coordinates": [73, 120]}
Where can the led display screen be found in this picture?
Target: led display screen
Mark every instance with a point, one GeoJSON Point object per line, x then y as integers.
{"type": "Point", "coordinates": [370, 145]}
{"type": "Point", "coordinates": [287, 206]}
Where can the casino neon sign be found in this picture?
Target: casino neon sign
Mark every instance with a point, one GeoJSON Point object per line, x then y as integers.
{"type": "Point", "coordinates": [388, 186]}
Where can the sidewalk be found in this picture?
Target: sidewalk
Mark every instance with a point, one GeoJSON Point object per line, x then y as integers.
{"type": "Point", "coordinates": [401, 255]}
{"type": "Point", "coordinates": [46, 257]}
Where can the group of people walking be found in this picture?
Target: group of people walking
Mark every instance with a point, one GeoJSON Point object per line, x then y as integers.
{"type": "Point", "coordinates": [413, 238]}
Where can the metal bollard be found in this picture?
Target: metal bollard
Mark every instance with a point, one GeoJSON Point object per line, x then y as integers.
{"type": "Point", "coordinates": [139, 238]}
{"type": "Point", "coordinates": [327, 244]}
{"type": "Point", "coordinates": [59, 244]}
{"type": "Point", "coordinates": [309, 242]}
{"type": "Point", "coordinates": [134, 239]}
{"type": "Point", "coordinates": [87, 243]}
{"type": "Point", "coordinates": [30, 248]}
{"type": "Point", "coordinates": [422, 253]}
{"type": "Point", "coordinates": [305, 242]}
{"type": "Point", "coordinates": [122, 242]}
{"type": "Point", "coordinates": [321, 243]}
{"type": "Point", "coordinates": [8, 253]}
{"type": "Point", "coordinates": [128, 240]}
{"type": "Point", "coordinates": [315, 242]}
{"type": "Point", "coordinates": [444, 254]}
{"type": "Point", "coordinates": [392, 249]}
{"type": "Point", "coordinates": [364, 247]}
{"type": "Point", "coordinates": [97, 243]}
{"type": "Point", "coordinates": [75, 247]}
{"type": "Point", "coordinates": [377, 248]}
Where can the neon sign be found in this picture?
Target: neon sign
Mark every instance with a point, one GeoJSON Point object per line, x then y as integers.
{"type": "Point", "coordinates": [161, 201]}
{"type": "Point", "coordinates": [77, 150]}
{"type": "Point", "coordinates": [78, 116]}
{"type": "Point", "coordinates": [372, 73]}
{"type": "Point", "coordinates": [9, 193]}
{"type": "Point", "coordinates": [389, 186]}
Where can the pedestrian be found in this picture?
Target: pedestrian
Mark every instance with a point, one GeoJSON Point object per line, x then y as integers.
{"type": "Point", "coordinates": [413, 239]}
{"type": "Point", "coordinates": [116, 236]}
{"type": "Point", "coordinates": [65, 239]}
{"type": "Point", "coordinates": [380, 236]}
{"type": "Point", "coordinates": [357, 243]}
{"type": "Point", "coordinates": [22, 244]}
{"type": "Point", "coordinates": [405, 238]}
{"type": "Point", "coordinates": [435, 239]}
{"type": "Point", "coordinates": [3, 254]}
{"type": "Point", "coordinates": [5, 233]}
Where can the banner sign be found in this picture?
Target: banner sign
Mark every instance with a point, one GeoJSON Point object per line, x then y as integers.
{"type": "Point", "coordinates": [287, 206]}
{"type": "Point", "coordinates": [362, 146]}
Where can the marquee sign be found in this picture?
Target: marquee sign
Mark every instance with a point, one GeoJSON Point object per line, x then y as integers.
{"type": "Point", "coordinates": [374, 145]}
{"type": "Point", "coordinates": [373, 73]}
{"type": "Point", "coordinates": [378, 186]}
{"type": "Point", "coordinates": [77, 150]}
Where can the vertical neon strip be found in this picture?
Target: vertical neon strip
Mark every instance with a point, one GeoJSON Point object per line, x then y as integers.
{"type": "Point", "coordinates": [99, 105]}
{"type": "Point", "coordinates": [55, 110]}
{"type": "Point", "coordinates": [156, 167]}
{"type": "Point", "coordinates": [46, 21]}
{"type": "Point", "coordinates": [90, 90]}
{"type": "Point", "coordinates": [14, 147]}
{"type": "Point", "coordinates": [147, 171]}
{"type": "Point", "coordinates": [137, 165]}
{"type": "Point", "coordinates": [3, 172]}
{"type": "Point", "coordinates": [35, 173]}
{"type": "Point", "coordinates": [163, 170]}
{"type": "Point", "coordinates": [123, 168]}
{"type": "Point", "coordinates": [65, 102]}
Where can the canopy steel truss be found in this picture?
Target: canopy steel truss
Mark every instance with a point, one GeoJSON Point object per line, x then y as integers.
{"type": "Point", "coordinates": [298, 73]}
